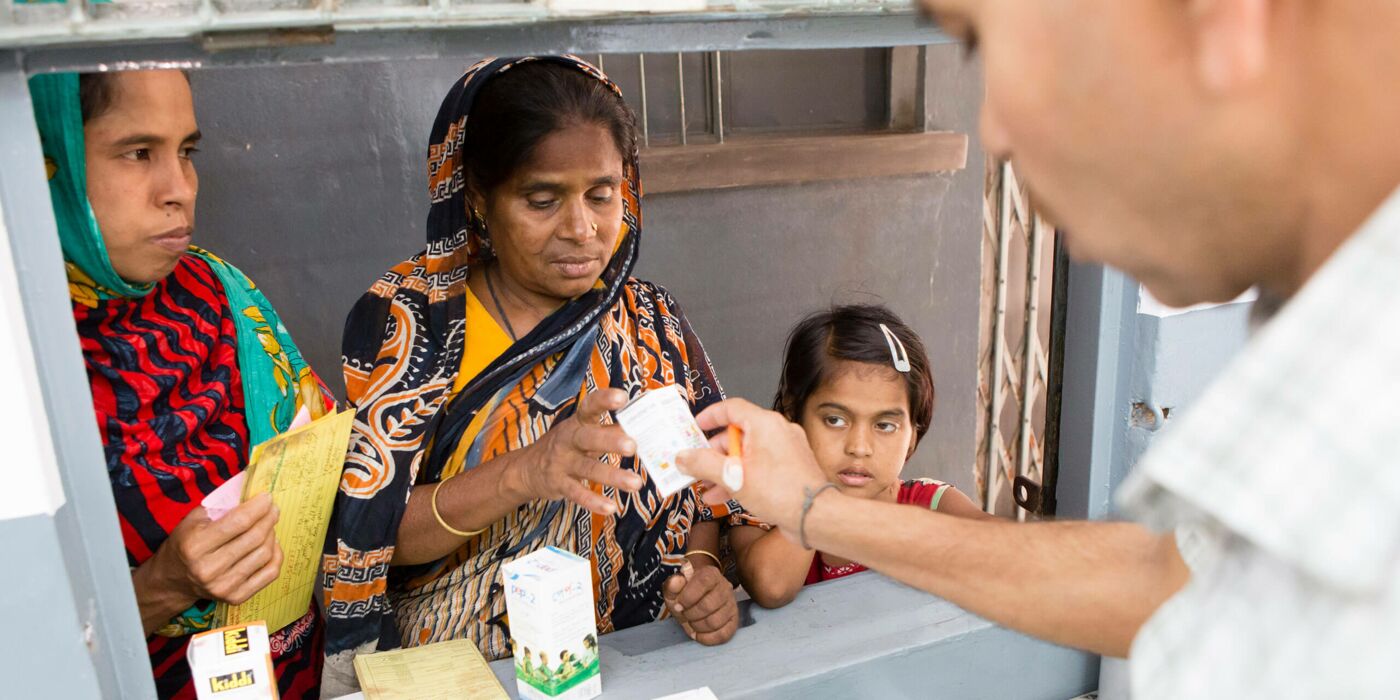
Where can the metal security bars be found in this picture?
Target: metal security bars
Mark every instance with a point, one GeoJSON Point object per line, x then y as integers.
{"type": "Point", "coordinates": [712, 65]}
{"type": "Point", "coordinates": [693, 139]}
{"type": "Point", "coordinates": [1014, 369]}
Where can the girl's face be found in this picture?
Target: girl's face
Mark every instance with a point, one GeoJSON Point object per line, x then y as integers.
{"type": "Point", "coordinates": [859, 427]}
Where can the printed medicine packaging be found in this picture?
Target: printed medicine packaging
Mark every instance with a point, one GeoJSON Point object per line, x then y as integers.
{"type": "Point", "coordinates": [549, 601]}
{"type": "Point", "coordinates": [232, 663]}
{"type": "Point", "coordinates": [662, 425]}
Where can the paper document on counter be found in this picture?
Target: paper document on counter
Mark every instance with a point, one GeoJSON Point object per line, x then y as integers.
{"type": "Point", "coordinates": [697, 694]}
{"type": "Point", "coordinates": [301, 469]}
{"type": "Point", "coordinates": [442, 671]}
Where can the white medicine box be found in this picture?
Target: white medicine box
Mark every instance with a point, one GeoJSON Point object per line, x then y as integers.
{"type": "Point", "coordinates": [549, 602]}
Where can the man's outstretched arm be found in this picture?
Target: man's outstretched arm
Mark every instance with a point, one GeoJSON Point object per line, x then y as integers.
{"type": "Point", "coordinates": [1083, 584]}
{"type": "Point", "coordinates": [1089, 585]}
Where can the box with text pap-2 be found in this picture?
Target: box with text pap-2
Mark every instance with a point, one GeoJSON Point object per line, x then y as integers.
{"type": "Point", "coordinates": [549, 601]}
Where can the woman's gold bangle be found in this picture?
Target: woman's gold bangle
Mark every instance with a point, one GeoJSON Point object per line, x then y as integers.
{"type": "Point", "coordinates": [443, 523]}
{"type": "Point", "coordinates": [708, 554]}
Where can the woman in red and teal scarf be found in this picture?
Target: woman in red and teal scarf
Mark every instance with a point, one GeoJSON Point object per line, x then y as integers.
{"type": "Point", "coordinates": [188, 363]}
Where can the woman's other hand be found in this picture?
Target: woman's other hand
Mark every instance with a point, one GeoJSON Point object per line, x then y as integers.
{"type": "Point", "coordinates": [702, 600]}
{"type": "Point", "coordinates": [777, 463]}
{"type": "Point", "coordinates": [227, 560]}
{"type": "Point", "coordinates": [567, 458]}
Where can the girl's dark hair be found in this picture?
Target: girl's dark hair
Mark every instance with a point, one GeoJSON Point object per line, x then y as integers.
{"type": "Point", "coordinates": [852, 333]}
{"type": "Point", "coordinates": [518, 108]}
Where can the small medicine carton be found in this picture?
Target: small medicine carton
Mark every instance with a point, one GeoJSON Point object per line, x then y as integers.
{"type": "Point", "coordinates": [662, 425]}
{"type": "Point", "coordinates": [549, 601]}
{"type": "Point", "coordinates": [232, 663]}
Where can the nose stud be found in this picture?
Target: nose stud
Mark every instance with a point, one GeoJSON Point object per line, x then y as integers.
{"type": "Point", "coordinates": [595, 227]}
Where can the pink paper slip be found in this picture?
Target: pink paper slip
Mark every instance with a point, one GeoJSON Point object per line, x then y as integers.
{"type": "Point", "coordinates": [225, 498]}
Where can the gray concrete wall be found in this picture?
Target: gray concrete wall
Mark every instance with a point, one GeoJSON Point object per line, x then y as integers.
{"type": "Point", "coordinates": [312, 181]}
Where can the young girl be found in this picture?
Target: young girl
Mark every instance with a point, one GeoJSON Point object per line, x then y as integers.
{"type": "Point", "coordinates": [856, 379]}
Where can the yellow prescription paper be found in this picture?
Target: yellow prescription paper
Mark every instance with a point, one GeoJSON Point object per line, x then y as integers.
{"type": "Point", "coordinates": [301, 468]}
{"type": "Point", "coordinates": [442, 671]}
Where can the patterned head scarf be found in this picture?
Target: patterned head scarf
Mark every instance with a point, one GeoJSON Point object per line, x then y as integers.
{"type": "Point", "coordinates": [453, 224]}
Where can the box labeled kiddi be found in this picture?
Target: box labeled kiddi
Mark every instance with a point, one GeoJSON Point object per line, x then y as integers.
{"type": "Point", "coordinates": [549, 600]}
{"type": "Point", "coordinates": [232, 663]}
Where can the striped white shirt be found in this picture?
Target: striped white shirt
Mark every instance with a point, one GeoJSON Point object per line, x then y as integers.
{"type": "Point", "coordinates": [1283, 486]}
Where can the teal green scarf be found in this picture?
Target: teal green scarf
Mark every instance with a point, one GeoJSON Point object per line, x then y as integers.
{"type": "Point", "coordinates": [273, 371]}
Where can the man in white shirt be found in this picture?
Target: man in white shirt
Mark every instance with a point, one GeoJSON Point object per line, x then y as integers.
{"type": "Point", "coordinates": [1205, 147]}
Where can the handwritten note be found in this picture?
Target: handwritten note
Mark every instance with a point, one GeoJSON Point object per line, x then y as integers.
{"type": "Point", "coordinates": [301, 469]}
{"type": "Point", "coordinates": [442, 671]}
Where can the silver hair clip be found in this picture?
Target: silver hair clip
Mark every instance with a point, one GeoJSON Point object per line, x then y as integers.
{"type": "Point", "coordinates": [897, 352]}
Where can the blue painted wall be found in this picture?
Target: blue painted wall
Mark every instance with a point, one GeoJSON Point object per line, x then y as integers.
{"type": "Point", "coordinates": [1170, 361]}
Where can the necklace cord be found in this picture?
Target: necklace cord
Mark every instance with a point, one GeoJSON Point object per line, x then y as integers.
{"type": "Point", "coordinates": [496, 300]}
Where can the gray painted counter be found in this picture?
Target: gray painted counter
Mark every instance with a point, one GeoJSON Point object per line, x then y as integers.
{"type": "Point", "coordinates": [860, 637]}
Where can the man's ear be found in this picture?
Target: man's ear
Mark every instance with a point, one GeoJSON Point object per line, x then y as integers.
{"type": "Point", "coordinates": [1231, 41]}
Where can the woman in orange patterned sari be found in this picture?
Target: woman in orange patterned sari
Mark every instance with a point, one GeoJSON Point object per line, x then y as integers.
{"type": "Point", "coordinates": [484, 368]}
